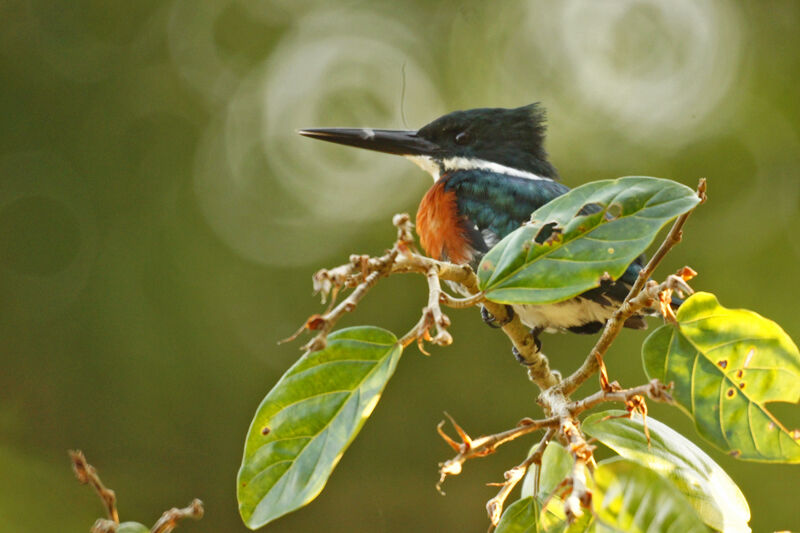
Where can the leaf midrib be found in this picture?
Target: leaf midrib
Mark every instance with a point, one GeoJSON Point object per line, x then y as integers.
{"type": "Point", "coordinates": [730, 382]}
{"type": "Point", "coordinates": [324, 428]}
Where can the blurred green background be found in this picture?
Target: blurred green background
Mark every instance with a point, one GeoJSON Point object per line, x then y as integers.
{"type": "Point", "coordinates": [160, 221]}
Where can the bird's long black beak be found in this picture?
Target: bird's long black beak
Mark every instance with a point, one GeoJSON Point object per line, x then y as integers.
{"type": "Point", "coordinates": [399, 142]}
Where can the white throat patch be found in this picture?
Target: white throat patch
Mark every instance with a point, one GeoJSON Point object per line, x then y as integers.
{"type": "Point", "coordinates": [430, 166]}
{"type": "Point", "coordinates": [464, 163]}
{"type": "Point", "coordinates": [427, 164]}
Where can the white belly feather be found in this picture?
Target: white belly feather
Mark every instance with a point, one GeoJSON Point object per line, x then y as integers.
{"type": "Point", "coordinates": [563, 315]}
{"type": "Point", "coordinates": [557, 317]}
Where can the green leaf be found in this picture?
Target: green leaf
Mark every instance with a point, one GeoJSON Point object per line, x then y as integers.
{"type": "Point", "coordinates": [727, 364]}
{"type": "Point", "coordinates": [626, 497]}
{"type": "Point", "coordinates": [132, 527]}
{"type": "Point", "coordinates": [631, 498]}
{"type": "Point", "coordinates": [583, 247]}
{"type": "Point", "coordinates": [556, 464]}
{"type": "Point", "coordinates": [307, 421]}
{"type": "Point", "coordinates": [712, 493]}
{"type": "Point", "coordinates": [522, 516]}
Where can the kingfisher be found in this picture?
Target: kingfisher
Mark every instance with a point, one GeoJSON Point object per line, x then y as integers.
{"type": "Point", "coordinates": [490, 172]}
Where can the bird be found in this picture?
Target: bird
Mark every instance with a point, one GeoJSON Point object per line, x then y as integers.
{"type": "Point", "coordinates": [490, 171]}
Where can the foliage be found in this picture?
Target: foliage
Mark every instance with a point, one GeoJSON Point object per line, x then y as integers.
{"type": "Point", "coordinates": [308, 420]}
{"type": "Point", "coordinates": [725, 366]}
{"type": "Point", "coordinates": [712, 493]}
{"type": "Point", "coordinates": [578, 239]}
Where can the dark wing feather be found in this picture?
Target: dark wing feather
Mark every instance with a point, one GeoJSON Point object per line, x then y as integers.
{"type": "Point", "coordinates": [497, 204]}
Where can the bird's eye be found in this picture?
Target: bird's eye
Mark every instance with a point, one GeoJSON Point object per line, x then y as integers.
{"type": "Point", "coordinates": [463, 138]}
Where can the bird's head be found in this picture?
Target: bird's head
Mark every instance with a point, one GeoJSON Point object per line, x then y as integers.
{"type": "Point", "coordinates": [503, 140]}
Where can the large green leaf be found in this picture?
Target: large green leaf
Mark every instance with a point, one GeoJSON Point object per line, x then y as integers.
{"type": "Point", "coordinates": [727, 364]}
{"type": "Point", "coordinates": [583, 246]}
{"type": "Point", "coordinates": [631, 498]}
{"type": "Point", "coordinates": [712, 493]}
{"type": "Point", "coordinates": [522, 516]}
{"type": "Point", "coordinates": [626, 497]}
{"type": "Point", "coordinates": [307, 421]}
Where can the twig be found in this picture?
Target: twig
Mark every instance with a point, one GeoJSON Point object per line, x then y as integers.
{"type": "Point", "coordinates": [655, 390]}
{"type": "Point", "coordinates": [494, 507]}
{"type": "Point", "coordinates": [324, 323]}
{"type": "Point", "coordinates": [470, 448]}
{"type": "Point", "coordinates": [362, 273]}
{"type": "Point", "coordinates": [431, 316]}
{"type": "Point", "coordinates": [614, 325]}
{"type": "Point", "coordinates": [103, 525]}
{"type": "Point", "coordinates": [169, 520]}
{"type": "Point", "coordinates": [87, 474]}
{"type": "Point", "coordinates": [580, 496]}
{"type": "Point", "coordinates": [461, 303]}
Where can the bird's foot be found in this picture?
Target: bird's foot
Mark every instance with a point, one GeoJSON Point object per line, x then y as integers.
{"type": "Point", "coordinates": [492, 322]}
{"type": "Point", "coordinates": [518, 356]}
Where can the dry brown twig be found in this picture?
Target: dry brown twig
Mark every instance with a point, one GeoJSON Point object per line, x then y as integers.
{"type": "Point", "coordinates": [169, 520]}
{"type": "Point", "coordinates": [87, 474]}
{"type": "Point", "coordinates": [494, 507]}
{"type": "Point", "coordinates": [470, 448]}
{"type": "Point", "coordinates": [361, 274]}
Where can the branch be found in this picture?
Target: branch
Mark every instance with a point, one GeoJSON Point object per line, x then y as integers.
{"type": "Point", "coordinates": [580, 496]}
{"type": "Point", "coordinates": [169, 520]}
{"type": "Point", "coordinates": [520, 335]}
{"type": "Point", "coordinates": [655, 390]}
{"type": "Point", "coordinates": [361, 273]}
{"type": "Point", "coordinates": [87, 474]}
{"type": "Point", "coordinates": [482, 446]}
{"type": "Point", "coordinates": [325, 323]}
{"type": "Point", "coordinates": [494, 507]}
{"type": "Point", "coordinates": [629, 307]}
{"type": "Point", "coordinates": [431, 316]}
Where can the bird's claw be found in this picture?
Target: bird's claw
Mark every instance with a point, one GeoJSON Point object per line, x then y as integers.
{"type": "Point", "coordinates": [492, 322]}
{"type": "Point", "coordinates": [518, 356]}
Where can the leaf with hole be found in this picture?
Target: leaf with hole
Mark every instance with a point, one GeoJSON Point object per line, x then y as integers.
{"type": "Point", "coordinates": [712, 493]}
{"type": "Point", "coordinates": [727, 364]}
{"type": "Point", "coordinates": [307, 421]}
{"type": "Point", "coordinates": [573, 242]}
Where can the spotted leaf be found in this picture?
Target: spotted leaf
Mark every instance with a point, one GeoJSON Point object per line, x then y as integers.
{"type": "Point", "coordinates": [307, 421]}
{"type": "Point", "coordinates": [727, 365]}
{"type": "Point", "coordinates": [573, 242]}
